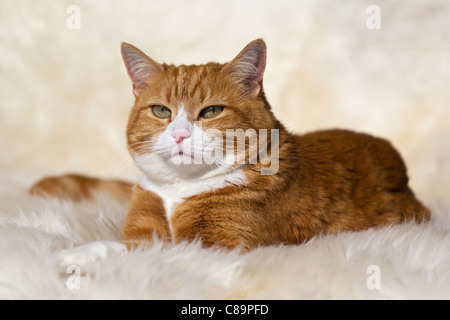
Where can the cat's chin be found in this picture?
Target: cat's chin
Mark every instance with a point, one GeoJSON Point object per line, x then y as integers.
{"type": "Point", "coordinates": [175, 167]}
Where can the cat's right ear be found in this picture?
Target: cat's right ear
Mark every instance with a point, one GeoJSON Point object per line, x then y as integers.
{"type": "Point", "coordinates": [140, 67]}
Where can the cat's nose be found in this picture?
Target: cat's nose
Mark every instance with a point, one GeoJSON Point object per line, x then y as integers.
{"type": "Point", "coordinates": [180, 134]}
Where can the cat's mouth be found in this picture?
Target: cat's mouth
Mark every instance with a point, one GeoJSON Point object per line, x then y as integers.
{"type": "Point", "coordinates": [183, 154]}
{"type": "Point", "coordinates": [180, 156]}
{"type": "Point", "coordinates": [180, 152]}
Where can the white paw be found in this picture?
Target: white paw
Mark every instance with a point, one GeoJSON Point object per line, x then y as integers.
{"type": "Point", "coordinates": [86, 256]}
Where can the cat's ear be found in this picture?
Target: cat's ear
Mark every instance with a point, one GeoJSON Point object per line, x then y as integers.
{"type": "Point", "coordinates": [249, 65]}
{"type": "Point", "coordinates": [140, 67]}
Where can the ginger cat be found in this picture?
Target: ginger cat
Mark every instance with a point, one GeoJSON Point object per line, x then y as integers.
{"type": "Point", "coordinates": [318, 183]}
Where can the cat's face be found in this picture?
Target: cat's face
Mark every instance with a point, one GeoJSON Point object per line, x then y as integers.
{"type": "Point", "coordinates": [183, 116]}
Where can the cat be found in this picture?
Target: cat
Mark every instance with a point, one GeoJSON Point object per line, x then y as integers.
{"type": "Point", "coordinates": [294, 188]}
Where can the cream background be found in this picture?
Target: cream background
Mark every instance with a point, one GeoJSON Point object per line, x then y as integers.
{"type": "Point", "coordinates": [65, 98]}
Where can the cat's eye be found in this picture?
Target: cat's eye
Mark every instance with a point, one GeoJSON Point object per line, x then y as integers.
{"type": "Point", "coordinates": [211, 112]}
{"type": "Point", "coordinates": [161, 112]}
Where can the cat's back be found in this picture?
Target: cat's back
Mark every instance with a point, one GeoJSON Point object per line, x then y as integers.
{"type": "Point", "coordinates": [349, 155]}
{"type": "Point", "coordinates": [352, 181]}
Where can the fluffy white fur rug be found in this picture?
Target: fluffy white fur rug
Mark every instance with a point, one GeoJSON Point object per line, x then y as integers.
{"type": "Point", "coordinates": [65, 100]}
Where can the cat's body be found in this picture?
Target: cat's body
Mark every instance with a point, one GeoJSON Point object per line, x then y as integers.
{"type": "Point", "coordinates": [338, 186]}
{"type": "Point", "coordinates": [324, 182]}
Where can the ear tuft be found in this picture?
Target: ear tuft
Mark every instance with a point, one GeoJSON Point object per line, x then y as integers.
{"type": "Point", "coordinates": [249, 65]}
{"type": "Point", "coordinates": [139, 66]}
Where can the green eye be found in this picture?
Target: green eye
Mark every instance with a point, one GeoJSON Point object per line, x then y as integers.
{"type": "Point", "coordinates": [161, 111]}
{"type": "Point", "coordinates": [211, 112]}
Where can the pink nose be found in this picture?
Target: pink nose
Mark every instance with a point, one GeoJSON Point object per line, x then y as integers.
{"type": "Point", "coordinates": [180, 134]}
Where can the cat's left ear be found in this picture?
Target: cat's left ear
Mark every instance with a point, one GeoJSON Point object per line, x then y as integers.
{"type": "Point", "coordinates": [140, 67]}
{"type": "Point", "coordinates": [248, 67]}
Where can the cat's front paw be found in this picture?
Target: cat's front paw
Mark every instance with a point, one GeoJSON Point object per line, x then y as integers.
{"type": "Point", "coordinates": [85, 257]}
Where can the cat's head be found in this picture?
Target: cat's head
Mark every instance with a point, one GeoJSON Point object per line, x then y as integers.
{"type": "Point", "coordinates": [179, 123]}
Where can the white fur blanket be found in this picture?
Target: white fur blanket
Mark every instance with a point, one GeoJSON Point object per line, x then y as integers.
{"type": "Point", "coordinates": [65, 100]}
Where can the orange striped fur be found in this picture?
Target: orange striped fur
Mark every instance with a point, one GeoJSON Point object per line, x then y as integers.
{"type": "Point", "coordinates": [326, 181]}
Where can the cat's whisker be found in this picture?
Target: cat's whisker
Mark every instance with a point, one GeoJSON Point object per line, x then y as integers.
{"type": "Point", "coordinates": [142, 148]}
{"type": "Point", "coordinates": [141, 142]}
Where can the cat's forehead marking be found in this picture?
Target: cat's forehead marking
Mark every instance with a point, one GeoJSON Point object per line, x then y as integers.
{"type": "Point", "coordinates": [191, 85]}
{"type": "Point", "coordinates": [179, 81]}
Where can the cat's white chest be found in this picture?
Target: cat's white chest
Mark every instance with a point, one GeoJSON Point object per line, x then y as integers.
{"type": "Point", "coordinates": [173, 193]}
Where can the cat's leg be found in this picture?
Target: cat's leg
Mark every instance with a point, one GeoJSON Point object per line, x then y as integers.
{"type": "Point", "coordinates": [77, 187]}
{"type": "Point", "coordinates": [221, 224]}
{"type": "Point", "coordinates": [146, 218]}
